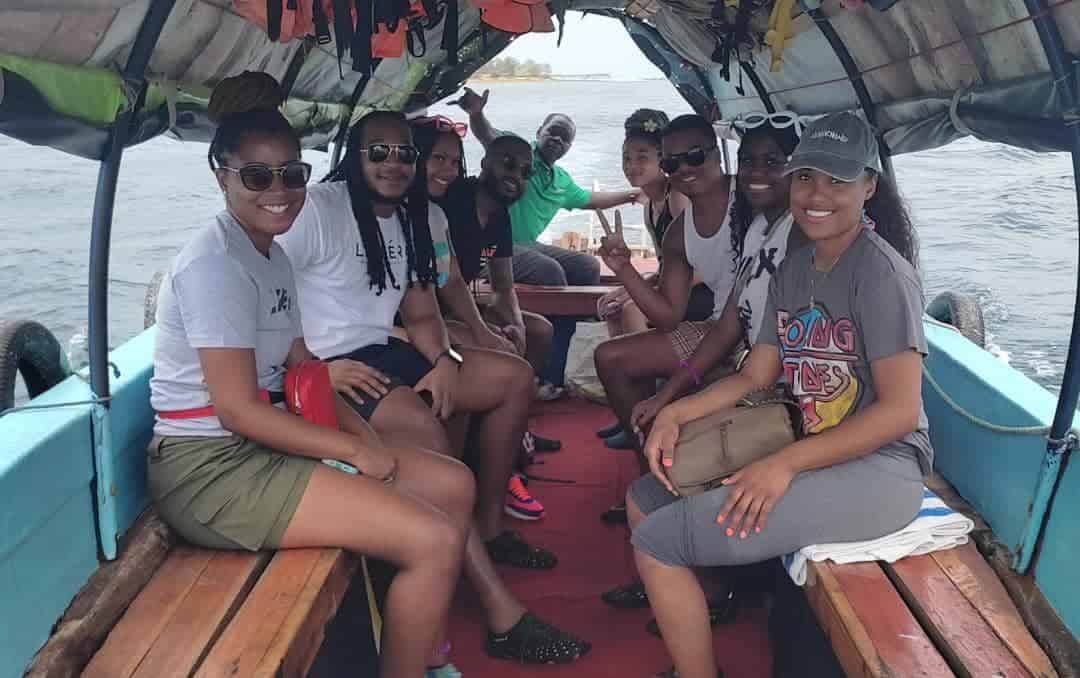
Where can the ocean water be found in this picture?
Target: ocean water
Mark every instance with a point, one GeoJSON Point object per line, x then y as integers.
{"type": "Point", "coordinates": [995, 222]}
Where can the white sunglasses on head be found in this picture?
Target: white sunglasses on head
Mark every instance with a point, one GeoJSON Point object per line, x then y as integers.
{"type": "Point", "coordinates": [778, 120]}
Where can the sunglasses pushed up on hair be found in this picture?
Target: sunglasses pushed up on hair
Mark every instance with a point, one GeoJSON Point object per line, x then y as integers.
{"type": "Point", "coordinates": [258, 176]}
{"type": "Point", "coordinates": [405, 153]}
{"type": "Point", "coordinates": [442, 124]}
{"type": "Point", "coordinates": [778, 120]}
{"type": "Point", "coordinates": [695, 157]}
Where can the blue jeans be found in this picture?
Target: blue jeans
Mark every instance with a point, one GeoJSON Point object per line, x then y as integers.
{"type": "Point", "coordinates": [539, 264]}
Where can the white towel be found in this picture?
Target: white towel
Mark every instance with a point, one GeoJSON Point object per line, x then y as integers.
{"type": "Point", "coordinates": [935, 528]}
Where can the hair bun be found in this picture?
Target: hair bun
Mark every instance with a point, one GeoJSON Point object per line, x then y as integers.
{"type": "Point", "coordinates": [249, 91]}
{"type": "Point", "coordinates": [647, 120]}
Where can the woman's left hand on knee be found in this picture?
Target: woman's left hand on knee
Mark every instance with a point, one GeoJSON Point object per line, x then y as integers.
{"type": "Point", "coordinates": [755, 490]}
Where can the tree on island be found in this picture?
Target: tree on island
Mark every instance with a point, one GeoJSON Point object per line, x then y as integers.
{"type": "Point", "coordinates": [509, 67]}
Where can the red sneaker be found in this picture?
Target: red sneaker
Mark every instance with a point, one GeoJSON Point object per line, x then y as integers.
{"type": "Point", "coordinates": [519, 503]}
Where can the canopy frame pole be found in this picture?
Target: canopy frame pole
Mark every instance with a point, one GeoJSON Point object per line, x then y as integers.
{"type": "Point", "coordinates": [751, 73]}
{"type": "Point", "coordinates": [1066, 71]}
{"type": "Point", "coordinates": [856, 80]}
{"type": "Point", "coordinates": [134, 75]}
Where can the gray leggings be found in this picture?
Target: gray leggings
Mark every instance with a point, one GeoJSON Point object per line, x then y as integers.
{"type": "Point", "coordinates": [861, 499]}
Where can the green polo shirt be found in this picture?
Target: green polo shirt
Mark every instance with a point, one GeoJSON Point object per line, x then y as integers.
{"type": "Point", "coordinates": [549, 189]}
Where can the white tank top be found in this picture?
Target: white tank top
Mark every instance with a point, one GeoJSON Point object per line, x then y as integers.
{"type": "Point", "coordinates": [712, 258]}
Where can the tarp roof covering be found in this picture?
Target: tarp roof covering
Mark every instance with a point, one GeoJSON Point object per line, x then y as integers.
{"type": "Point", "coordinates": [934, 70]}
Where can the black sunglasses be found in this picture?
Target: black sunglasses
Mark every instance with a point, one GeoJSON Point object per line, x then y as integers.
{"type": "Point", "coordinates": [695, 157]}
{"type": "Point", "coordinates": [403, 152]}
{"type": "Point", "coordinates": [258, 176]}
{"type": "Point", "coordinates": [511, 164]}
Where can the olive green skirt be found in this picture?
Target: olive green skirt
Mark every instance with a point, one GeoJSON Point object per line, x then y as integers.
{"type": "Point", "coordinates": [227, 492]}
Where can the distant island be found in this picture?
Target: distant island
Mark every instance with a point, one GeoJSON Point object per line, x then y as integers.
{"type": "Point", "coordinates": [509, 68]}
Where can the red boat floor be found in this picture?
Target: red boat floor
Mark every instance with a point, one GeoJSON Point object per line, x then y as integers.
{"type": "Point", "coordinates": [593, 557]}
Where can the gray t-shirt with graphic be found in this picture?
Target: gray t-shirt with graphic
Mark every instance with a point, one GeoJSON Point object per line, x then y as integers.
{"type": "Point", "coordinates": [868, 307]}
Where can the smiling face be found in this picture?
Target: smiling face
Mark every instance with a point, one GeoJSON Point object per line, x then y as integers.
{"type": "Point", "coordinates": [505, 170]}
{"type": "Point", "coordinates": [555, 137]}
{"type": "Point", "coordinates": [688, 179]}
{"type": "Point", "coordinates": [390, 179]}
{"type": "Point", "coordinates": [827, 208]}
{"type": "Point", "coordinates": [443, 164]}
{"type": "Point", "coordinates": [262, 213]}
{"type": "Point", "coordinates": [641, 162]}
{"type": "Point", "coordinates": [761, 173]}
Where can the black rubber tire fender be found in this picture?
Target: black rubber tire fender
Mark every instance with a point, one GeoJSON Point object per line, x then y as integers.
{"type": "Point", "coordinates": [153, 289]}
{"type": "Point", "coordinates": [29, 349]}
{"type": "Point", "coordinates": [962, 312]}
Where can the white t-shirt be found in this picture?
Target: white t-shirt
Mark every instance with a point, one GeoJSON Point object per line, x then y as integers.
{"type": "Point", "coordinates": [342, 312]}
{"type": "Point", "coordinates": [712, 258]}
{"type": "Point", "coordinates": [764, 248]}
{"type": "Point", "coordinates": [221, 292]}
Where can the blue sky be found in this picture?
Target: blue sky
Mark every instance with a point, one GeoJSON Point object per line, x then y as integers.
{"type": "Point", "coordinates": [592, 44]}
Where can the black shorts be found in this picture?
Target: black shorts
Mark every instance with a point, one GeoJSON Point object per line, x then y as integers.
{"type": "Point", "coordinates": [399, 360]}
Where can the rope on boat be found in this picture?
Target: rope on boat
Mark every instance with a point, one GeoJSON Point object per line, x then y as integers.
{"type": "Point", "coordinates": [973, 418]}
{"type": "Point", "coordinates": [53, 406]}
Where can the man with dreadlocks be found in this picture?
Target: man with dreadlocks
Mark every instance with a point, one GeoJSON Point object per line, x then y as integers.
{"type": "Point", "coordinates": [362, 252]}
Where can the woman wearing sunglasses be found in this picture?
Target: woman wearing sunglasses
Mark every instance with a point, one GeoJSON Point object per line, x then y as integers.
{"type": "Point", "coordinates": [476, 208]}
{"type": "Point", "coordinates": [641, 165]}
{"type": "Point", "coordinates": [229, 467]}
{"type": "Point", "coordinates": [843, 328]}
{"type": "Point", "coordinates": [697, 245]}
{"type": "Point", "coordinates": [761, 234]}
{"type": "Point", "coordinates": [362, 251]}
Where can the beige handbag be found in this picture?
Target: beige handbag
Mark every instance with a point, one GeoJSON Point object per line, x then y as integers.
{"type": "Point", "coordinates": [716, 445]}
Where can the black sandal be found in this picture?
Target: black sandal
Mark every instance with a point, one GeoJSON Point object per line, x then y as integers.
{"type": "Point", "coordinates": [672, 673]}
{"type": "Point", "coordinates": [533, 641]}
{"type": "Point", "coordinates": [542, 444]}
{"type": "Point", "coordinates": [630, 596]}
{"type": "Point", "coordinates": [720, 612]}
{"type": "Point", "coordinates": [615, 515]}
{"type": "Point", "coordinates": [509, 548]}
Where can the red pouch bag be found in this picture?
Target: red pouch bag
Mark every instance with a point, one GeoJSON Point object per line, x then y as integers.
{"type": "Point", "coordinates": [309, 393]}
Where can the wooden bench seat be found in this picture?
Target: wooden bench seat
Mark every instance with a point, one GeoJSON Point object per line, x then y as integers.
{"type": "Point", "coordinates": [217, 613]}
{"type": "Point", "coordinates": [941, 614]}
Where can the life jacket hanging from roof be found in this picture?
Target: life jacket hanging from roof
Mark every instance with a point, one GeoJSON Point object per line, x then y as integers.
{"type": "Point", "coordinates": [516, 16]}
{"type": "Point", "coordinates": [289, 21]}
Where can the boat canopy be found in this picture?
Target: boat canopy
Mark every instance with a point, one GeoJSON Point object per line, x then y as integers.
{"type": "Point", "coordinates": [925, 72]}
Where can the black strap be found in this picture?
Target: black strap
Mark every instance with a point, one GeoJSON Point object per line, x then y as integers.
{"type": "Point", "coordinates": [343, 27]}
{"type": "Point", "coordinates": [273, 19]}
{"type": "Point", "coordinates": [322, 24]}
{"type": "Point", "coordinates": [415, 39]}
{"type": "Point", "coordinates": [291, 4]}
{"type": "Point", "coordinates": [361, 39]}
{"type": "Point", "coordinates": [450, 40]}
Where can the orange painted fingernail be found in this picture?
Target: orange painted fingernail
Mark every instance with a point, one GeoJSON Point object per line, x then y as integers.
{"type": "Point", "coordinates": [730, 532]}
{"type": "Point", "coordinates": [742, 535]}
{"type": "Point", "coordinates": [668, 461]}
{"type": "Point", "coordinates": [757, 529]}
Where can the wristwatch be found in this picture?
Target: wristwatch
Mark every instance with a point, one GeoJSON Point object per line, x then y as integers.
{"type": "Point", "coordinates": [453, 355]}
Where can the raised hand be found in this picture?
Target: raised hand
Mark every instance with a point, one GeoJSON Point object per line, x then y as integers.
{"type": "Point", "coordinates": [471, 102]}
{"type": "Point", "coordinates": [613, 249]}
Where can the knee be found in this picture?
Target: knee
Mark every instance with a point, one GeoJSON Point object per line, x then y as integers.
{"type": "Point", "coordinates": [586, 271]}
{"type": "Point", "coordinates": [610, 356]}
{"type": "Point", "coordinates": [539, 329]}
{"type": "Point", "coordinates": [439, 544]}
{"type": "Point", "coordinates": [549, 272]}
{"type": "Point", "coordinates": [460, 487]}
{"type": "Point", "coordinates": [517, 376]}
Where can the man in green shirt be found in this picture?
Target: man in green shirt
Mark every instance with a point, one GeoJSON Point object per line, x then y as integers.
{"type": "Point", "coordinates": [549, 188]}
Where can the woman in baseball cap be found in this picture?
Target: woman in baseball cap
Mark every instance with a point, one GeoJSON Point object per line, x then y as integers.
{"type": "Point", "coordinates": [843, 330]}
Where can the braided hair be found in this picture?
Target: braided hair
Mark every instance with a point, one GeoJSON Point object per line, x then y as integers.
{"type": "Point", "coordinates": [412, 212]}
{"type": "Point", "coordinates": [742, 213]}
{"type": "Point", "coordinates": [244, 105]}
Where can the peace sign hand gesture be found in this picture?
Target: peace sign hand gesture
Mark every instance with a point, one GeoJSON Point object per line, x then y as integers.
{"type": "Point", "coordinates": [613, 249]}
